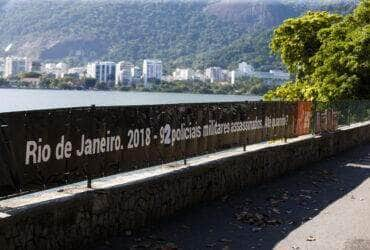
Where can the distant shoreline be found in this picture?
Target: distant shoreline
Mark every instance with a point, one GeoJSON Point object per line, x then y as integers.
{"type": "Point", "coordinates": [130, 91]}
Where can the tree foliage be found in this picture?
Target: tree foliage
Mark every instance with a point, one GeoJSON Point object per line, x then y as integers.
{"type": "Point", "coordinates": [30, 75]}
{"type": "Point", "coordinates": [245, 86]}
{"type": "Point", "coordinates": [329, 54]}
{"type": "Point", "coordinates": [4, 83]}
{"type": "Point", "coordinates": [297, 40]}
{"type": "Point", "coordinates": [89, 83]}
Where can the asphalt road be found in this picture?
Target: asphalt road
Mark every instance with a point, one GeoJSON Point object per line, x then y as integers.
{"type": "Point", "coordinates": [322, 206]}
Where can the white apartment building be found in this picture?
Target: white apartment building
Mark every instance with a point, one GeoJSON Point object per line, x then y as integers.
{"type": "Point", "coordinates": [136, 74]}
{"type": "Point", "coordinates": [14, 66]}
{"type": "Point", "coordinates": [183, 74]}
{"type": "Point", "coordinates": [214, 74]}
{"type": "Point", "coordinates": [199, 76]}
{"type": "Point", "coordinates": [272, 74]}
{"type": "Point", "coordinates": [152, 70]}
{"type": "Point", "coordinates": [48, 67]}
{"type": "Point", "coordinates": [234, 74]}
{"type": "Point", "coordinates": [245, 69]}
{"type": "Point", "coordinates": [78, 71]}
{"type": "Point", "coordinates": [62, 66]}
{"type": "Point", "coordinates": [279, 74]}
{"type": "Point", "coordinates": [32, 65]}
{"type": "Point", "coordinates": [103, 72]}
{"type": "Point", "coordinates": [124, 74]}
{"type": "Point", "coordinates": [57, 69]}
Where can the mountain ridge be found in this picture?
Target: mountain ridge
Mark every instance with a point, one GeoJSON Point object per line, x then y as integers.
{"type": "Point", "coordinates": [181, 33]}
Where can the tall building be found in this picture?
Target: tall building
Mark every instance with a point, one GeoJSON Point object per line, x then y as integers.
{"type": "Point", "coordinates": [245, 69]}
{"type": "Point", "coordinates": [14, 66]}
{"type": "Point", "coordinates": [103, 72]}
{"type": "Point", "coordinates": [233, 76]}
{"type": "Point", "coordinates": [124, 73]}
{"type": "Point", "coordinates": [152, 70]}
{"type": "Point", "coordinates": [136, 74]}
{"type": "Point", "coordinates": [32, 65]}
{"type": "Point", "coordinates": [214, 74]}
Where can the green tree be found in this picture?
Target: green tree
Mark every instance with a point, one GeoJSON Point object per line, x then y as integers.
{"type": "Point", "coordinates": [89, 83]}
{"type": "Point", "coordinates": [45, 83]}
{"type": "Point", "coordinates": [342, 63]}
{"type": "Point", "coordinates": [329, 55]}
{"type": "Point", "coordinates": [296, 40]}
{"type": "Point", "coordinates": [4, 83]}
{"type": "Point", "coordinates": [101, 86]}
{"type": "Point", "coordinates": [30, 75]}
{"type": "Point", "coordinates": [64, 85]}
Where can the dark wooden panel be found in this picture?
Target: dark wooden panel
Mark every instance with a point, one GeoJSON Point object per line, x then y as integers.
{"type": "Point", "coordinates": [67, 145]}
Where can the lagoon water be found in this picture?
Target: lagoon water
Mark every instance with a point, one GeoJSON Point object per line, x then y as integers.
{"type": "Point", "coordinates": [26, 99]}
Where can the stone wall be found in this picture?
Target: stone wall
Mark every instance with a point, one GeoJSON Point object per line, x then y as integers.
{"type": "Point", "coordinates": [85, 217]}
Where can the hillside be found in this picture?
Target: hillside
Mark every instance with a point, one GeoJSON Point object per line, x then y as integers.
{"type": "Point", "coordinates": [181, 33]}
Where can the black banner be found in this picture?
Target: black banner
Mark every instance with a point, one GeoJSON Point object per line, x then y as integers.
{"type": "Point", "coordinates": [48, 148]}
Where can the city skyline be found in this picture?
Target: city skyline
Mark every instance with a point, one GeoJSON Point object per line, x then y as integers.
{"type": "Point", "coordinates": [125, 73]}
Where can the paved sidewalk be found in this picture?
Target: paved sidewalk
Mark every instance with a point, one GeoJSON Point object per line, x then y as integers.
{"type": "Point", "coordinates": [324, 206]}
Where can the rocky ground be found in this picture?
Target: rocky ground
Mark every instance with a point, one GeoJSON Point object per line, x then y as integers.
{"type": "Point", "coordinates": [323, 206]}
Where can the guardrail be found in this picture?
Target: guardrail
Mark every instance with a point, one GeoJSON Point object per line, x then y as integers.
{"type": "Point", "coordinates": [327, 117]}
{"type": "Point", "coordinates": [49, 148]}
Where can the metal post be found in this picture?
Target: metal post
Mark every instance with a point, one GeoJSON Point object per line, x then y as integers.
{"type": "Point", "coordinates": [88, 176]}
{"type": "Point", "coordinates": [349, 116]}
{"type": "Point", "coordinates": [184, 152]}
{"type": "Point", "coordinates": [185, 141]}
{"type": "Point", "coordinates": [314, 118]}
{"type": "Point", "coordinates": [88, 182]}
{"type": "Point", "coordinates": [286, 129]}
